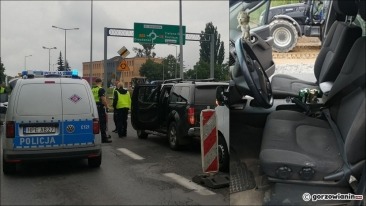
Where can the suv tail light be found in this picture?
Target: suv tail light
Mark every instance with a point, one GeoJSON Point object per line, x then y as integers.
{"type": "Point", "coordinates": [10, 129]}
{"type": "Point", "coordinates": [191, 115]}
{"type": "Point", "coordinates": [95, 126]}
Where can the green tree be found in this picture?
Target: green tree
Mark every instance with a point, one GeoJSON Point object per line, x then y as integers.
{"type": "Point", "coordinates": [170, 64]}
{"type": "Point", "coordinates": [60, 63]}
{"type": "Point", "coordinates": [67, 66]}
{"type": "Point", "coordinates": [219, 50]}
{"type": "Point", "coordinates": [2, 72]}
{"type": "Point", "coordinates": [146, 50]}
{"type": "Point", "coordinates": [202, 71]}
{"type": "Point", "coordinates": [151, 70]}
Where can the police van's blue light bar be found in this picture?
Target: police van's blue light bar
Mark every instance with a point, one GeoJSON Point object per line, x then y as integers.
{"type": "Point", "coordinates": [31, 74]}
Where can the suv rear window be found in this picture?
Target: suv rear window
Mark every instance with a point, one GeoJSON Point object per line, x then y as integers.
{"type": "Point", "coordinates": [180, 94]}
{"type": "Point", "coordinates": [38, 99]}
{"type": "Point", "coordinates": [205, 95]}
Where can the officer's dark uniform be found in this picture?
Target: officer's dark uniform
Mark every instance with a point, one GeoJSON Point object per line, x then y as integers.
{"type": "Point", "coordinates": [97, 93]}
{"type": "Point", "coordinates": [122, 103]}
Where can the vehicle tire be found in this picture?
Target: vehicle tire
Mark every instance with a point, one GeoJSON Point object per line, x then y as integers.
{"type": "Point", "coordinates": [284, 35]}
{"type": "Point", "coordinates": [223, 152]}
{"type": "Point", "coordinates": [9, 168]}
{"type": "Point", "coordinates": [141, 134]}
{"type": "Point", "coordinates": [95, 162]}
{"type": "Point", "coordinates": [173, 136]}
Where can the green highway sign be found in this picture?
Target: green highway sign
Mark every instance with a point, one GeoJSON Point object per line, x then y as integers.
{"type": "Point", "coordinates": [157, 33]}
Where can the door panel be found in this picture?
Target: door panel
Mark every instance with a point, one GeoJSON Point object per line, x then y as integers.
{"type": "Point", "coordinates": [145, 107]}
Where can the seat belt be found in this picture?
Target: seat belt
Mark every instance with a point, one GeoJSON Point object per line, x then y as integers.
{"type": "Point", "coordinates": [340, 141]}
{"type": "Point", "coordinates": [361, 188]}
{"type": "Point", "coordinates": [325, 109]}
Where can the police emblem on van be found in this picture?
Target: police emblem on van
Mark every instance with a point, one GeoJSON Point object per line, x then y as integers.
{"type": "Point", "coordinates": [75, 98]}
{"type": "Point", "coordinates": [70, 128]}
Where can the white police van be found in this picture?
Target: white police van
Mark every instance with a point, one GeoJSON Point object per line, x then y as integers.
{"type": "Point", "coordinates": [51, 115]}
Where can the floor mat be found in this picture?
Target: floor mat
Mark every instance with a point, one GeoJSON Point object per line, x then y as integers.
{"type": "Point", "coordinates": [241, 178]}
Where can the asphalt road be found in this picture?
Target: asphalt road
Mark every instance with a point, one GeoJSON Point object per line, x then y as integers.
{"type": "Point", "coordinates": [133, 172]}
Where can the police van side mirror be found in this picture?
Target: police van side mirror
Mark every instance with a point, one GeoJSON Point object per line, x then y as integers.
{"type": "Point", "coordinates": [221, 98]}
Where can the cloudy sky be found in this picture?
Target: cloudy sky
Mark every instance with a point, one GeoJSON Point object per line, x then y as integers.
{"type": "Point", "coordinates": [26, 26]}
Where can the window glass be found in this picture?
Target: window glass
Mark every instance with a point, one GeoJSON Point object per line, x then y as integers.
{"type": "Point", "coordinates": [205, 95]}
{"type": "Point", "coordinates": [256, 16]}
{"type": "Point", "coordinates": [180, 94]}
{"type": "Point", "coordinates": [39, 99]}
{"type": "Point", "coordinates": [148, 94]}
{"type": "Point", "coordinates": [75, 99]}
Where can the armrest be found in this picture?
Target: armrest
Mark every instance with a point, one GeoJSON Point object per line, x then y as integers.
{"type": "Point", "coordinates": [325, 87]}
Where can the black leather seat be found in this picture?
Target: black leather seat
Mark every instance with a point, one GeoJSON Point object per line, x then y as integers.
{"type": "Point", "coordinates": [299, 147]}
{"type": "Point", "coordinates": [331, 57]}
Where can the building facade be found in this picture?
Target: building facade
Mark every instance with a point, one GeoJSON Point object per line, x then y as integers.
{"type": "Point", "coordinates": [113, 65]}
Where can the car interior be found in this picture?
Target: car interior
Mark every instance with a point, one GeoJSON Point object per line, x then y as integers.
{"type": "Point", "coordinates": [282, 148]}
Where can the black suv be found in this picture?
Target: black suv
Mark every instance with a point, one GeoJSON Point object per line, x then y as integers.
{"type": "Point", "coordinates": [172, 108]}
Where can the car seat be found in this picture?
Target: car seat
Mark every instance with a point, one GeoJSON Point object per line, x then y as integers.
{"type": "Point", "coordinates": [332, 54]}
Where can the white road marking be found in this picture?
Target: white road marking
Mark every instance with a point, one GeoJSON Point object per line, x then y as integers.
{"type": "Point", "coordinates": [189, 184]}
{"type": "Point", "coordinates": [130, 154]}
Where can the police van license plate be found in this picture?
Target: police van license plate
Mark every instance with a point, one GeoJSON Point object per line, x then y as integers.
{"type": "Point", "coordinates": [39, 130]}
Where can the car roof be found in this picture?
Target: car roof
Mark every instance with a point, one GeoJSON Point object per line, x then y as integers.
{"type": "Point", "coordinates": [56, 80]}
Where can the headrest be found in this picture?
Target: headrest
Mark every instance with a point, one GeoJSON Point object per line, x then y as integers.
{"type": "Point", "coordinates": [345, 7]}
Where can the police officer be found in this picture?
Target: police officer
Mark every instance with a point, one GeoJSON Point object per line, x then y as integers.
{"type": "Point", "coordinates": [2, 89]}
{"type": "Point", "coordinates": [114, 109]}
{"type": "Point", "coordinates": [122, 103]}
{"type": "Point", "coordinates": [100, 99]}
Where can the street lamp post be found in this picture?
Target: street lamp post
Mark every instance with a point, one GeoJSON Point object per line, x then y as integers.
{"type": "Point", "coordinates": [25, 61]}
{"type": "Point", "coordinates": [65, 37]}
{"type": "Point", "coordinates": [49, 56]}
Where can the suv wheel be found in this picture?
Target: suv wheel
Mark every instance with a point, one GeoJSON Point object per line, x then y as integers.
{"type": "Point", "coordinates": [284, 35]}
{"type": "Point", "coordinates": [141, 134]}
{"type": "Point", "coordinates": [95, 161]}
{"type": "Point", "coordinates": [9, 168]}
{"type": "Point", "coordinates": [173, 137]}
{"type": "Point", "coordinates": [223, 154]}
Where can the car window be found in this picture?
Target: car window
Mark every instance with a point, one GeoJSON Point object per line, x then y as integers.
{"type": "Point", "coordinates": [256, 16]}
{"type": "Point", "coordinates": [39, 100]}
{"type": "Point", "coordinates": [148, 94]}
{"type": "Point", "coordinates": [75, 99]}
{"type": "Point", "coordinates": [205, 95]}
{"type": "Point", "coordinates": [180, 94]}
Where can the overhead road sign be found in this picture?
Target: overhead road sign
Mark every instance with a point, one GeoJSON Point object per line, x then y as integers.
{"type": "Point", "coordinates": [157, 33]}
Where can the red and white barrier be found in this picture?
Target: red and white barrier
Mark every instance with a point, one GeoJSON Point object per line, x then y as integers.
{"type": "Point", "coordinates": [209, 151]}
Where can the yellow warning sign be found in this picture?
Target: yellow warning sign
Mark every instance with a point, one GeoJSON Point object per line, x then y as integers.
{"type": "Point", "coordinates": [123, 67]}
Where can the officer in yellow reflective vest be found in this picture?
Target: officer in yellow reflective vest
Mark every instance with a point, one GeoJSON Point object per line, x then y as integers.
{"type": "Point", "coordinates": [114, 109]}
{"type": "Point", "coordinates": [102, 106]}
{"type": "Point", "coordinates": [2, 89]}
{"type": "Point", "coordinates": [122, 103]}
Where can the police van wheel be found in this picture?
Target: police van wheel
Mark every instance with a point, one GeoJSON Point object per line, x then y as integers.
{"type": "Point", "coordinates": [95, 161]}
{"type": "Point", "coordinates": [141, 134]}
{"type": "Point", "coordinates": [9, 168]}
{"type": "Point", "coordinates": [223, 154]}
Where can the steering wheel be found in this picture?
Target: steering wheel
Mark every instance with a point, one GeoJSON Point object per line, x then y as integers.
{"type": "Point", "coordinates": [254, 75]}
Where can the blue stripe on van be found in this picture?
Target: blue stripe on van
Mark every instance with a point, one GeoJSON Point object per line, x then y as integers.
{"type": "Point", "coordinates": [78, 133]}
{"type": "Point", "coordinates": [73, 133]}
